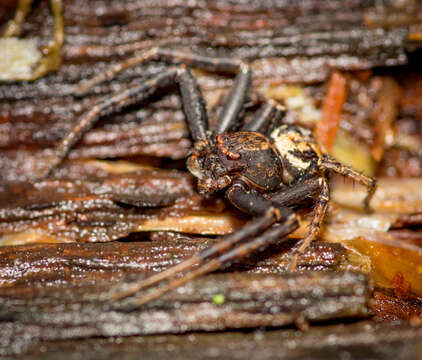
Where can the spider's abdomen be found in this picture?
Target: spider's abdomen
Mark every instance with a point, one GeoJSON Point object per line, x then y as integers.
{"type": "Point", "coordinates": [252, 156]}
{"type": "Point", "coordinates": [298, 151]}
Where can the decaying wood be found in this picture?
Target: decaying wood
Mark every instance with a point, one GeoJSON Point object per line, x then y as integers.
{"type": "Point", "coordinates": [88, 203]}
{"type": "Point", "coordinates": [312, 37]}
{"type": "Point", "coordinates": [363, 340]}
{"type": "Point", "coordinates": [101, 201]}
{"type": "Point", "coordinates": [50, 264]}
{"type": "Point", "coordinates": [285, 43]}
{"type": "Point", "coordinates": [393, 195]}
{"type": "Point", "coordinates": [386, 306]}
{"type": "Point", "coordinates": [29, 129]}
{"type": "Point", "coordinates": [403, 157]}
{"type": "Point", "coordinates": [389, 236]}
{"type": "Point", "coordinates": [29, 315]}
{"type": "Point", "coordinates": [53, 297]}
{"type": "Point", "coordinates": [97, 202]}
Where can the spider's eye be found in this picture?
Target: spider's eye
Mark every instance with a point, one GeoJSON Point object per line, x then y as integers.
{"type": "Point", "coordinates": [232, 156]}
{"type": "Point", "coordinates": [224, 148]}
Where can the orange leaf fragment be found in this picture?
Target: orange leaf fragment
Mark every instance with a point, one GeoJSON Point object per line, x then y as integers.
{"type": "Point", "coordinates": [401, 287]}
{"type": "Point", "coordinates": [326, 129]}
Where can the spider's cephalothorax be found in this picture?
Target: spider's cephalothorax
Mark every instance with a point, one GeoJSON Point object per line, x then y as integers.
{"type": "Point", "coordinates": [245, 156]}
{"type": "Point", "coordinates": [266, 170]}
{"type": "Point", "coordinates": [262, 164]}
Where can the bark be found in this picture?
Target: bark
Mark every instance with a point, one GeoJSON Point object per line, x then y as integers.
{"type": "Point", "coordinates": [362, 340]}
{"type": "Point", "coordinates": [29, 315]}
{"type": "Point", "coordinates": [52, 264]}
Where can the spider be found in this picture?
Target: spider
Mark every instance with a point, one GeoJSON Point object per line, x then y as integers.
{"type": "Point", "coordinates": [265, 170]}
{"type": "Point", "coordinates": [51, 59]}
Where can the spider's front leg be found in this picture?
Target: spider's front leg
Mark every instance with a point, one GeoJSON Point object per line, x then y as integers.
{"type": "Point", "coordinates": [192, 99]}
{"type": "Point", "coordinates": [169, 56]}
{"type": "Point", "coordinates": [274, 223]}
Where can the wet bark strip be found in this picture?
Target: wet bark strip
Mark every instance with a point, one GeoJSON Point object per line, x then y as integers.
{"type": "Point", "coordinates": [362, 340]}
{"type": "Point", "coordinates": [58, 264]}
{"type": "Point", "coordinates": [29, 315]}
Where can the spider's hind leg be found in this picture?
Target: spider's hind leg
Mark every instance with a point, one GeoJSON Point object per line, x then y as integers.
{"type": "Point", "coordinates": [370, 183]}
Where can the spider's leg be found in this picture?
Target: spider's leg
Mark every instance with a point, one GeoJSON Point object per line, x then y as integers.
{"type": "Point", "coordinates": [276, 232]}
{"type": "Point", "coordinates": [104, 107]}
{"type": "Point", "coordinates": [262, 118]}
{"type": "Point", "coordinates": [192, 100]}
{"type": "Point", "coordinates": [276, 120]}
{"type": "Point", "coordinates": [233, 106]}
{"type": "Point", "coordinates": [320, 209]}
{"type": "Point", "coordinates": [297, 194]}
{"type": "Point", "coordinates": [13, 27]}
{"type": "Point", "coordinates": [193, 104]}
{"type": "Point", "coordinates": [215, 256]}
{"type": "Point", "coordinates": [267, 118]}
{"type": "Point", "coordinates": [112, 71]}
{"type": "Point", "coordinates": [370, 183]}
{"type": "Point", "coordinates": [236, 98]}
{"type": "Point", "coordinates": [170, 56]}
{"type": "Point", "coordinates": [252, 228]}
{"type": "Point", "coordinates": [250, 201]}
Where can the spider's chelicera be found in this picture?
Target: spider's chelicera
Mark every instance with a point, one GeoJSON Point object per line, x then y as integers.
{"type": "Point", "coordinates": [265, 169]}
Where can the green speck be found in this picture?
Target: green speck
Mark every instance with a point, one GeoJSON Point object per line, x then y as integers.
{"type": "Point", "coordinates": [218, 299]}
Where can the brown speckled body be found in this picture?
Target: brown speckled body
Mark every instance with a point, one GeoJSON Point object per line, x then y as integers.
{"type": "Point", "coordinates": [262, 163]}
{"type": "Point", "coordinates": [253, 158]}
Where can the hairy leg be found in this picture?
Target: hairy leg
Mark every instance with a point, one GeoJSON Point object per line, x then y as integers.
{"type": "Point", "coordinates": [170, 56]}
{"type": "Point", "coordinates": [370, 183]}
{"type": "Point", "coordinates": [275, 233]}
{"type": "Point", "coordinates": [192, 98]}
{"type": "Point", "coordinates": [316, 223]}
